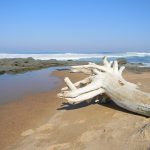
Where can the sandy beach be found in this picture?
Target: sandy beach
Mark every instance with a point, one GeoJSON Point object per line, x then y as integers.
{"type": "Point", "coordinates": [44, 122]}
{"type": "Point", "coordinates": [74, 75]}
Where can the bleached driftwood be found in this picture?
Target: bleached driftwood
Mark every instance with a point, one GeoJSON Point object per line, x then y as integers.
{"type": "Point", "coordinates": [108, 79]}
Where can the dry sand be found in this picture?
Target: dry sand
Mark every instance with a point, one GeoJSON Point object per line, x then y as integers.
{"type": "Point", "coordinates": [44, 122]}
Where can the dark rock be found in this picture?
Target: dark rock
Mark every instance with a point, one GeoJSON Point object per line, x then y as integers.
{"type": "Point", "coordinates": [65, 69]}
{"type": "Point", "coordinates": [18, 65]}
{"type": "Point", "coordinates": [136, 67]}
{"type": "Point", "coordinates": [121, 61]}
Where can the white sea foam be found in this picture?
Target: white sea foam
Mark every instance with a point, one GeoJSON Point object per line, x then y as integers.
{"type": "Point", "coordinates": [73, 56]}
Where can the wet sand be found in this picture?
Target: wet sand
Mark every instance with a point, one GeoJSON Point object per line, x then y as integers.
{"type": "Point", "coordinates": [13, 87]}
{"type": "Point", "coordinates": [44, 122]}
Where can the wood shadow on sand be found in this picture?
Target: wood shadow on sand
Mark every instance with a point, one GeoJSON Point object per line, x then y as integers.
{"type": "Point", "coordinates": [67, 106]}
{"type": "Point", "coordinates": [111, 104]}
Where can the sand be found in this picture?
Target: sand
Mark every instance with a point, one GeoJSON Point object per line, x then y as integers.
{"type": "Point", "coordinates": [44, 122]}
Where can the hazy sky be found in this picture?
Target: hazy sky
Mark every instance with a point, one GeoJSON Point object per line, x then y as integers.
{"type": "Point", "coordinates": [75, 25]}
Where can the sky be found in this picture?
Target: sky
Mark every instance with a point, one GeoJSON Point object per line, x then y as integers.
{"type": "Point", "coordinates": [75, 25]}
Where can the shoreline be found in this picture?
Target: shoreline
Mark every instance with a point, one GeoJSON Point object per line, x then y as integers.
{"type": "Point", "coordinates": [70, 123]}
{"type": "Point", "coordinates": [15, 87]}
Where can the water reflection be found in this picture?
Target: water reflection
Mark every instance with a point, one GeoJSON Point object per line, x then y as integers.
{"type": "Point", "coordinates": [13, 87]}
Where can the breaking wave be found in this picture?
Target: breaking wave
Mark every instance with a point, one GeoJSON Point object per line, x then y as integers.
{"type": "Point", "coordinates": [74, 56]}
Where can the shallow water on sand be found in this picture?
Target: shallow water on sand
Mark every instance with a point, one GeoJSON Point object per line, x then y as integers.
{"type": "Point", "coordinates": [13, 87]}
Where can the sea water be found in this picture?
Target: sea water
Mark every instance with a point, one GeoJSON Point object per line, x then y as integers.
{"type": "Point", "coordinates": [133, 57]}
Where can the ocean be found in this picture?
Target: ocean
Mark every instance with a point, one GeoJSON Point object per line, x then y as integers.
{"type": "Point", "coordinates": [133, 57]}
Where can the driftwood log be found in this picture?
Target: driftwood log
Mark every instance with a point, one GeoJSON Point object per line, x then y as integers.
{"type": "Point", "coordinates": [106, 80]}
